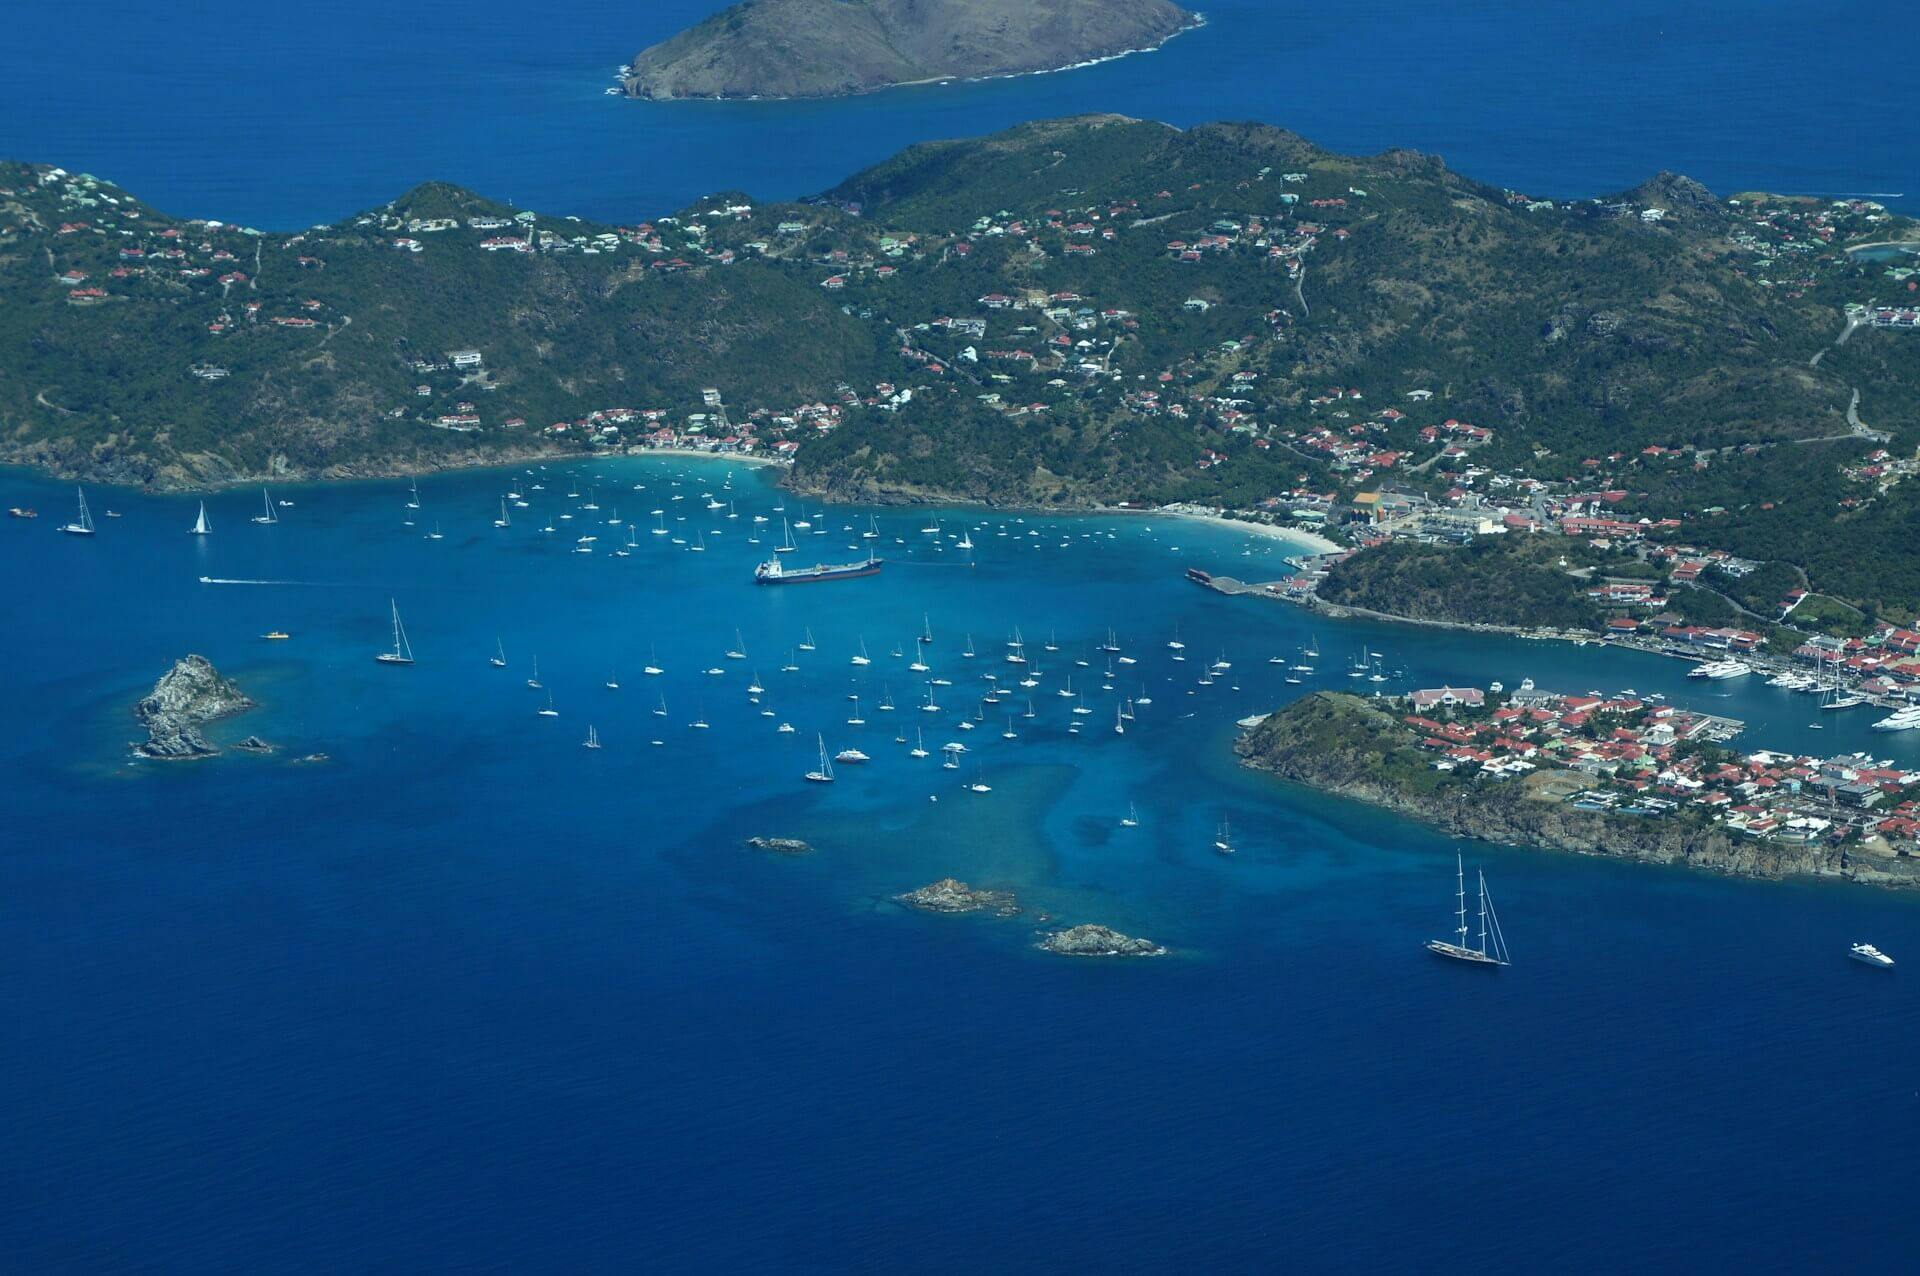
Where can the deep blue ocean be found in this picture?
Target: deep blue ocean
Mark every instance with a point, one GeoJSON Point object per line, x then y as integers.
{"type": "Point", "coordinates": [283, 115]}
{"type": "Point", "coordinates": [469, 996]}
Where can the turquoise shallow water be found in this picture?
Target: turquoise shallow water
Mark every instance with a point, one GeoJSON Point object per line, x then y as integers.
{"type": "Point", "coordinates": [470, 995]}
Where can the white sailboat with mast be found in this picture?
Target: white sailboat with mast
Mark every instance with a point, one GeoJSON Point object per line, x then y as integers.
{"type": "Point", "coordinates": [82, 525]}
{"type": "Point", "coordinates": [268, 515]}
{"type": "Point", "coordinates": [201, 527]}
{"type": "Point", "coordinates": [402, 653]}
{"type": "Point", "coordinates": [1492, 948]}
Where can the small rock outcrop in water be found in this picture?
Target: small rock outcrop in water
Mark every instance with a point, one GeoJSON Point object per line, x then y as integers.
{"type": "Point", "coordinates": [188, 695]}
{"type": "Point", "coordinates": [779, 845]}
{"type": "Point", "coordinates": [1099, 941]}
{"type": "Point", "coordinates": [951, 895]}
{"type": "Point", "coordinates": [254, 744]}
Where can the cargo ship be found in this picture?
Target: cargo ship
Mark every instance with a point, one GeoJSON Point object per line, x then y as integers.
{"type": "Point", "coordinates": [775, 572]}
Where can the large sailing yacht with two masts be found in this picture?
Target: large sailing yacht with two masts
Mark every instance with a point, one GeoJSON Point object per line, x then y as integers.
{"type": "Point", "coordinates": [1492, 950]}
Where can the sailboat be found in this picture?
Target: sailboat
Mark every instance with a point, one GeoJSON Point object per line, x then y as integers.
{"type": "Point", "coordinates": [873, 529]}
{"type": "Point", "coordinates": [1112, 644]}
{"type": "Point", "coordinates": [499, 657]}
{"type": "Point", "coordinates": [1223, 838]}
{"type": "Point", "coordinates": [504, 521]}
{"type": "Point", "coordinates": [413, 499]}
{"type": "Point", "coordinates": [661, 710]}
{"type": "Point", "coordinates": [1119, 721]}
{"type": "Point", "coordinates": [823, 774]}
{"type": "Point", "coordinates": [862, 658]}
{"type": "Point", "coordinates": [534, 681]}
{"type": "Point", "coordinates": [1492, 950]}
{"type": "Point", "coordinates": [613, 680]}
{"type": "Point", "coordinates": [593, 739]}
{"type": "Point", "coordinates": [549, 711]}
{"type": "Point", "coordinates": [968, 653]}
{"type": "Point", "coordinates": [82, 525]}
{"type": "Point", "coordinates": [807, 643]}
{"type": "Point", "coordinates": [919, 749]}
{"type": "Point", "coordinates": [1132, 818]}
{"type": "Point", "coordinates": [965, 541]}
{"type": "Point", "coordinates": [201, 527]}
{"type": "Point", "coordinates": [739, 648]}
{"type": "Point", "coordinates": [786, 539]}
{"type": "Point", "coordinates": [856, 720]}
{"type": "Point", "coordinates": [268, 514]}
{"type": "Point", "coordinates": [926, 626]}
{"type": "Point", "coordinates": [402, 653]}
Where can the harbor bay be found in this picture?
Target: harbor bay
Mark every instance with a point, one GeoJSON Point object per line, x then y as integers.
{"type": "Point", "coordinates": [431, 909]}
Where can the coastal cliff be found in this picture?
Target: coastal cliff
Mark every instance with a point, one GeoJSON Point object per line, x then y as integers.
{"type": "Point", "coordinates": [832, 48]}
{"type": "Point", "coordinates": [1345, 745]}
{"type": "Point", "coordinates": [189, 695]}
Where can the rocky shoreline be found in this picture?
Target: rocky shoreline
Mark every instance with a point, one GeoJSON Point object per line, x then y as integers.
{"type": "Point", "coordinates": [1090, 940]}
{"type": "Point", "coordinates": [1293, 745]}
{"type": "Point", "coordinates": [778, 845]}
{"type": "Point", "coordinates": [188, 696]}
{"type": "Point", "coordinates": [951, 895]}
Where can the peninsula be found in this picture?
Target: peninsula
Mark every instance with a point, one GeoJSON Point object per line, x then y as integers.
{"type": "Point", "coordinates": [1615, 776]}
{"type": "Point", "coordinates": [831, 48]}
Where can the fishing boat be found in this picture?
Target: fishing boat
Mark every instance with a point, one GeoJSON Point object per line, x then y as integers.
{"type": "Point", "coordinates": [201, 527]}
{"type": "Point", "coordinates": [822, 774]}
{"type": "Point", "coordinates": [775, 572]}
{"type": "Point", "coordinates": [402, 653]}
{"type": "Point", "coordinates": [82, 525]}
{"type": "Point", "coordinates": [499, 657]}
{"type": "Point", "coordinates": [1868, 955]}
{"type": "Point", "coordinates": [1492, 949]}
{"type": "Point", "coordinates": [268, 514]}
{"type": "Point", "coordinates": [593, 739]}
{"type": "Point", "coordinates": [1223, 838]}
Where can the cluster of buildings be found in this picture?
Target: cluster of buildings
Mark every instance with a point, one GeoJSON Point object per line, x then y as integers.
{"type": "Point", "coordinates": [1639, 755]}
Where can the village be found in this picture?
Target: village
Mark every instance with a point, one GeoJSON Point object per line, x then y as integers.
{"type": "Point", "coordinates": [1639, 755]}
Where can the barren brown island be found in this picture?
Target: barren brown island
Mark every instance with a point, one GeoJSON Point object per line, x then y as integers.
{"type": "Point", "coordinates": [1353, 747]}
{"type": "Point", "coordinates": [832, 48]}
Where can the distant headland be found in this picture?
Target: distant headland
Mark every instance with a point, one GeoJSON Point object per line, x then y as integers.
{"type": "Point", "coordinates": [835, 48]}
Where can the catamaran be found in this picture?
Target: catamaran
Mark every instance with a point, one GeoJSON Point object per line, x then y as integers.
{"type": "Point", "coordinates": [83, 524]}
{"type": "Point", "coordinates": [201, 527]}
{"type": "Point", "coordinates": [268, 514]}
{"type": "Point", "coordinates": [1492, 950]}
{"type": "Point", "coordinates": [402, 653]}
